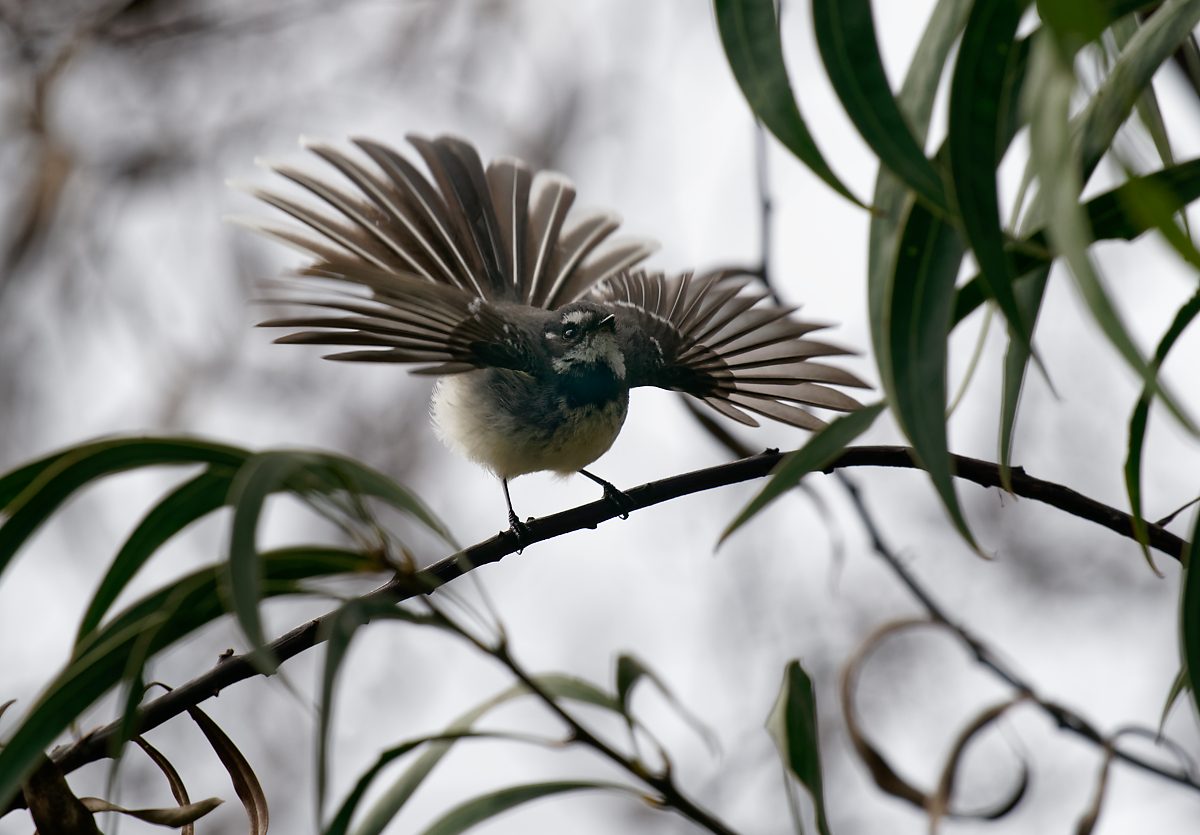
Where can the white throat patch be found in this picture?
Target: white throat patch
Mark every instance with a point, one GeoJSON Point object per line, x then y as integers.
{"type": "Point", "coordinates": [601, 348]}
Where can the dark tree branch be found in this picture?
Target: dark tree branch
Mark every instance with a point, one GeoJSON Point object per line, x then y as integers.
{"type": "Point", "coordinates": [98, 744]}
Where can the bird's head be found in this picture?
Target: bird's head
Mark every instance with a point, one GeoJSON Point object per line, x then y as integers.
{"type": "Point", "coordinates": [581, 338]}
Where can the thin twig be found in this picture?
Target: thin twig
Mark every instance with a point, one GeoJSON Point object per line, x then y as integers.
{"type": "Point", "coordinates": [670, 795]}
{"type": "Point", "coordinates": [765, 210]}
{"type": "Point", "coordinates": [1064, 717]}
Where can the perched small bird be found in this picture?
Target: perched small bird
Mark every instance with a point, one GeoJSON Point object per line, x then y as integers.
{"type": "Point", "coordinates": [530, 313]}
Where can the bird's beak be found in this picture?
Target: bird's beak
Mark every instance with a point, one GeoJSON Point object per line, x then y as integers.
{"type": "Point", "coordinates": [608, 323]}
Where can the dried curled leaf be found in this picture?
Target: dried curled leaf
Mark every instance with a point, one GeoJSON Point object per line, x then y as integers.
{"type": "Point", "coordinates": [178, 789]}
{"type": "Point", "coordinates": [936, 803]}
{"type": "Point", "coordinates": [940, 801]}
{"type": "Point", "coordinates": [53, 806]}
{"type": "Point", "coordinates": [245, 782]}
{"type": "Point", "coordinates": [176, 816]}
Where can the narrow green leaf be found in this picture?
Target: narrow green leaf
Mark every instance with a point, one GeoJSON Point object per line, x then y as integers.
{"type": "Point", "coordinates": [381, 814]}
{"type": "Point", "coordinates": [793, 726]}
{"type": "Point", "coordinates": [258, 478]}
{"type": "Point", "coordinates": [1058, 166]}
{"type": "Point", "coordinates": [1147, 108]}
{"type": "Point", "coordinates": [36, 490]}
{"type": "Point", "coordinates": [1110, 217]}
{"type": "Point", "coordinates": [340, 824]}
{"type": "Point", "coordinates": [1080, 21]}
{"type": "Point", "coordinates": [916, 98]}
{"type": "Point", "coordinates": [753, 45]}
{"type": "Point", "coordinates": [304, 473]}
{"type": "Point", "coordinates": [1029, 296]}
{"type": "Point", "coordinates": [578, 690]}
{"type": "Point", "coordinates": [14, 482]}
{"type": "Point", "coordinates": [189, 502]}
{"type": "Point", "coordinates": [353, 475]}
{"type": "Point", "coordinates": [1137, 426]}
{"type": "Point", "coordinates": [1133, 476]}
{"type": "Point", "coordinates": [821, 449]}
{"type": "Point", "coordinates": [478, 809]}
{"type": "Point", "coordinates": [337, 636]}
{"type": "Point", "coordinates": [916, 331]}
{"type": "Point", "coordinates": [845, 33]}
{"type": "Point", "coordinates": [167, 615]}
{"type": "Point", "coordinates": [1093, 128]}
{"type": "Point", "coordinates": [1178, 686]}
{"type": "Point", "coordinates": [1189, 613]}
{"type": "Point", "coordinates": [974, 146]}
{"type": "Point", "coordinates": [1152, 205]}
{"type": "Point", "coordinates": [630, 672]}
{"type": "Point", "coordinates": [1154, 42]}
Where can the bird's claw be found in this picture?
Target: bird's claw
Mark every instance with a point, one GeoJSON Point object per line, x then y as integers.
{"type": "Point", "coordinates": [620, 500]}
{"type": "Point", "coordinates": [520, 531]}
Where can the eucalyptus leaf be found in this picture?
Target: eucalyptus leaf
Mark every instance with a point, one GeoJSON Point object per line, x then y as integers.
{"type": "Point", "coordinates": [793, 726]}
{"type": "Point", "coordinates": [241, 774]}
{"type": "Point", "coordinates": [396, 795]}
{"type": "Point", "coordinates": [822, 448]}
{"type": "Point", "coordinates": [1137, 427]}
{"type": "Point", "coordinates": [33, 492]}
{"type": "Point", "coordinates": [169, 614]}
{"type": "Point", "coordinates": [915, 100]}
{"type": "Point", "coordinates": [1058, 165]}
{"type": "Point", "coordinates": [630, 672]}
{"type": "Point", "coordinates": [1189, 614]}
{"type": "Point", "coordinates": [753, 45]}
{"type": "Point", "coordinates": [1111, 216]}
{"type": "Point", "coordinates": [478, 809]}
{"type": "Point", "coordinates": [189, 502]}
{"type": "Point", "coordinates": [845, 33]}
{"type": "Point", "coordinates": [337, 635]}
{"type": "Point", "coordinates": [916, 329]}
{"type": "Point", "coordinates": [974, 147]}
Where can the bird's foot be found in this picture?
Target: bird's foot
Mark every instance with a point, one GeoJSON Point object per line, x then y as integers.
{"type": "Point", "coordinates": [619, 499]}
{"type": "Point", "coordinates": [520, 531]}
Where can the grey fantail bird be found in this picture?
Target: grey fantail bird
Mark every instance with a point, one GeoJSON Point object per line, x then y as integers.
{"type": "Point", "coordinates": [529, 312]}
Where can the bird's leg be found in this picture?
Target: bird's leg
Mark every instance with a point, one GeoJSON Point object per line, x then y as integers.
{"type": "Point", "coordinates": [617, 497]}
{"type": "Point", "coordinates": [519, 529]}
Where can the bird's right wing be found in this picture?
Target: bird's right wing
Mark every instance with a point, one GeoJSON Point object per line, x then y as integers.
{"type": "Point", "coordinates": [406, 319]}
{"type": "Point", "coordinates": [711, 337]}
{"type": "Point", "coordinates": [500, 234]}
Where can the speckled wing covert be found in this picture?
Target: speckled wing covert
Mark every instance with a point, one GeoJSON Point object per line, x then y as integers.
{"type": "Point", "coordinates": [712, 337]}
{"type": "Point", "coordinates": [448, 259]}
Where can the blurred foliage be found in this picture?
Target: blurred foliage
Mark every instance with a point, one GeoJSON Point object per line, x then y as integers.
{"type": "Point", "coordinates": [1015, 70]}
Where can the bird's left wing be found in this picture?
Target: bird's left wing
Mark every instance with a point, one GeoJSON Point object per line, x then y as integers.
{"type": "Point", "coordinates": [406, 319]}
{"type": "Point", "coordinates": [504, 233]}
{"type": "Point", "coordinates": [714, 338]}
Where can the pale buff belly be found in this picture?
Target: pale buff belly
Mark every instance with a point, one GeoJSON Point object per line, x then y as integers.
{"type": "Point", "coordinates": [512, 438]}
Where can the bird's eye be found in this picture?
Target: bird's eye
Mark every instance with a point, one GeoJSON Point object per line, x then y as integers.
{"type": "Point", "coordinates": [570, 332]}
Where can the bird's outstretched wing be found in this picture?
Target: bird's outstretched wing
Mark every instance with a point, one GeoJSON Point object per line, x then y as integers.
{"type": "Point", "coordinates": [500, 234]}
{"type": "Point", "coordinates": [410, 320]}
{"type": "Point", "coordinates": [713, 337]}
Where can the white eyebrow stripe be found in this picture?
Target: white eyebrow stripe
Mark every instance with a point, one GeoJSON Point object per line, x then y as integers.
{"type": "Point", "coordinates": [574, 317]}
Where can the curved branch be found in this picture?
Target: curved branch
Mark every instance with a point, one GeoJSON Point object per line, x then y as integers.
{"type": "Point", "coordinates": [98, 744]}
